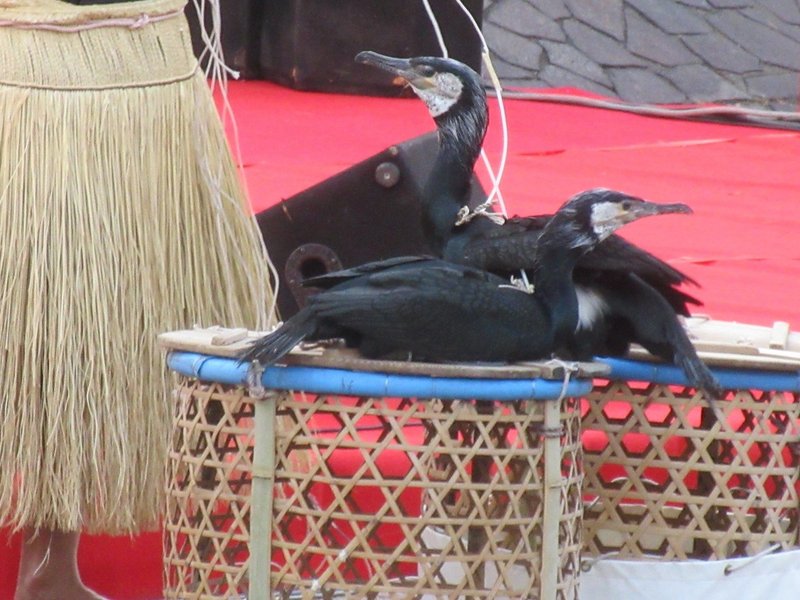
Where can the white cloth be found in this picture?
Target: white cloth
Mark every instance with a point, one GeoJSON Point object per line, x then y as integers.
{"type": "Point", "coordinates": [769, 577]}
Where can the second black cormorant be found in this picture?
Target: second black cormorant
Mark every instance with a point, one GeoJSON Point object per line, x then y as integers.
{"type": "Point", "coordinates": [439, 311]}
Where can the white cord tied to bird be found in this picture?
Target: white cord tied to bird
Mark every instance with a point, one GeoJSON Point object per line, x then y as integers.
{"type": "Point", "coordinates": [465, 215]}
{"type": "Point", "coordinates": [483, 209]}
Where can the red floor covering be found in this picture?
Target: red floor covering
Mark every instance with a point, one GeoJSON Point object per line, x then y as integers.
{"type": "Point", "coordinates": [741, 244]}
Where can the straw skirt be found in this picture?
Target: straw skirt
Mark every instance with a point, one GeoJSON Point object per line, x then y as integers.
{"type": "Point", "coordinates": [121, 216]}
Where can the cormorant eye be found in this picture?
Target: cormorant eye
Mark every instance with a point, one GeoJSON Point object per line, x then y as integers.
{"type": "Point", "coordinates": [426, 70]}
{"type": "Point", "coordinates": [626, 205]}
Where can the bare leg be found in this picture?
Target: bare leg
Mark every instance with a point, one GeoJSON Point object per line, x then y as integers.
{"type": "Point", "coordinates": [48, 567]}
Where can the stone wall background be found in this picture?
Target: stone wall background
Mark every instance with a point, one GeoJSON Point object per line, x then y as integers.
{"type": "Point", "coordinates": [744, 52]}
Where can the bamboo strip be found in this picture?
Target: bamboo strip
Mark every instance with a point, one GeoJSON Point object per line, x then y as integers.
{"type": "Point", "coordinates": [260, 561]}
{"type": "Point", "coordinates": [552, 500]}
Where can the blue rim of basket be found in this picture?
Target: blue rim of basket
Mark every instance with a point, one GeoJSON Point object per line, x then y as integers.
{"type": "Point", "coordinates": [326, 380]}
{"type": "Point", "coordinates": [729, 378]}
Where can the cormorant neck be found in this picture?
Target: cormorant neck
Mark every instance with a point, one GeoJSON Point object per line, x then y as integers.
{"type": "Point", "coordinates": [461, 132]}
{"type": "Point", "coordinates": [559, 248]}
{"type": "Point", "coordinates": [446, 191]}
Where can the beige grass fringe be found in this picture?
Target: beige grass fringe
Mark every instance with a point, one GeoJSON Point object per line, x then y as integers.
{"type": "Point", "coordinates": [121, 216]}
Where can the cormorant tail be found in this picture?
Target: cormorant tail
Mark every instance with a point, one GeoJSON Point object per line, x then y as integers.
{"type": "Point", "coordinates": [274, 346]}
{"type": "Point", "coordinates": [654, 324]}
{"type": "Point", "coordinates": [685, 357]}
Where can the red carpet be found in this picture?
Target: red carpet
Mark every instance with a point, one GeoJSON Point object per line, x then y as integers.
{"type": "Point", "coordinates": [741, 181]}
{"type": "Point", "coordinates": [741, 245]}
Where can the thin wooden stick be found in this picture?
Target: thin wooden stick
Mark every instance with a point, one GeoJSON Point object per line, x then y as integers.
{"type": "Point", "coordinates": [260, 564]}
{"type": "Point", "coordinates": [552, 498]}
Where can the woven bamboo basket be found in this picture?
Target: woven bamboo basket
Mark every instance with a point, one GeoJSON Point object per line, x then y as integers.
{"type": "Point", "coordinates": [392, 480]}
{"type": "Point", "coordinates": [666, 478]}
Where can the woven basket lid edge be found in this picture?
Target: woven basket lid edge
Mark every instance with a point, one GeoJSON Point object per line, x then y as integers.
{"type": "Point", "coordinates": [228, 343]}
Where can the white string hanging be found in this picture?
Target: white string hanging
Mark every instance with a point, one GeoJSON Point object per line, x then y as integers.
{"type": "Point", "coordinates": [465, 215]}
{"type": "Point", "coordinates": [217, 73]}
{"type": "Point", "coordinates": [498, 89]}
{"type": "Point", "coordinates": [436, 29]}
{"type": "Point", "coordinates": [487, 61]}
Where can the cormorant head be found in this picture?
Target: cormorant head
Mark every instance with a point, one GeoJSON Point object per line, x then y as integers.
{"type": "Point", "coordinates": [443, 84]}
{"type": "Point", "coordinates": [455, 98]}
{"type": "Point", "coordinates": [595, 214]}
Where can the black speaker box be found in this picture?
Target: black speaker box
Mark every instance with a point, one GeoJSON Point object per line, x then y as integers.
{"type": "Point", "coordinates": [311, 44]}
{"type": "Point", "coordinates": [369, 212]}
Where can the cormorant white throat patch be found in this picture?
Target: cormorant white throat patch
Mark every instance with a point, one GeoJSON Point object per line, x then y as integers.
{"type": "Point", "coordinates": [442, 95]}
{"type": "Point", "coordinates": [606, 219]}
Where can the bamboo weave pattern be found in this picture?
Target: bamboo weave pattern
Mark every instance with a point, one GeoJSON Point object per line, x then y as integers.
{"type": "Point", "coordinates": [375, 497]}
{"type": "Point", "coordinates": [666, 479]}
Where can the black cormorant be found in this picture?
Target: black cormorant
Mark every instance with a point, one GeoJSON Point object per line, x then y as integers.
{"type": "Point", "coordinates": [440, 311]}
{"type": "Point", "coordinates": [625, 293]}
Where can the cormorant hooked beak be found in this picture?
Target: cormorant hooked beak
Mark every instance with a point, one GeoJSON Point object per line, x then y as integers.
{"type": "Point", "coordinates": [401, 67]}
{"type": "Point", "coordinates": [638, 210]}
{"type": "Point", "coordinates": [614, 209]}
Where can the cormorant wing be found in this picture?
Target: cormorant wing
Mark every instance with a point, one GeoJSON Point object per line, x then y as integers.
{"type": "Point", "coordinates": [437, 312]}
{"type": "Point", "coordinates": [617, 254]}
{"type": "Point", "coordinates": [512, 245]}
{"type": "Point", "coordinates": [391, 268]}
{"type": "Point", "coordinates": [328, 280]}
